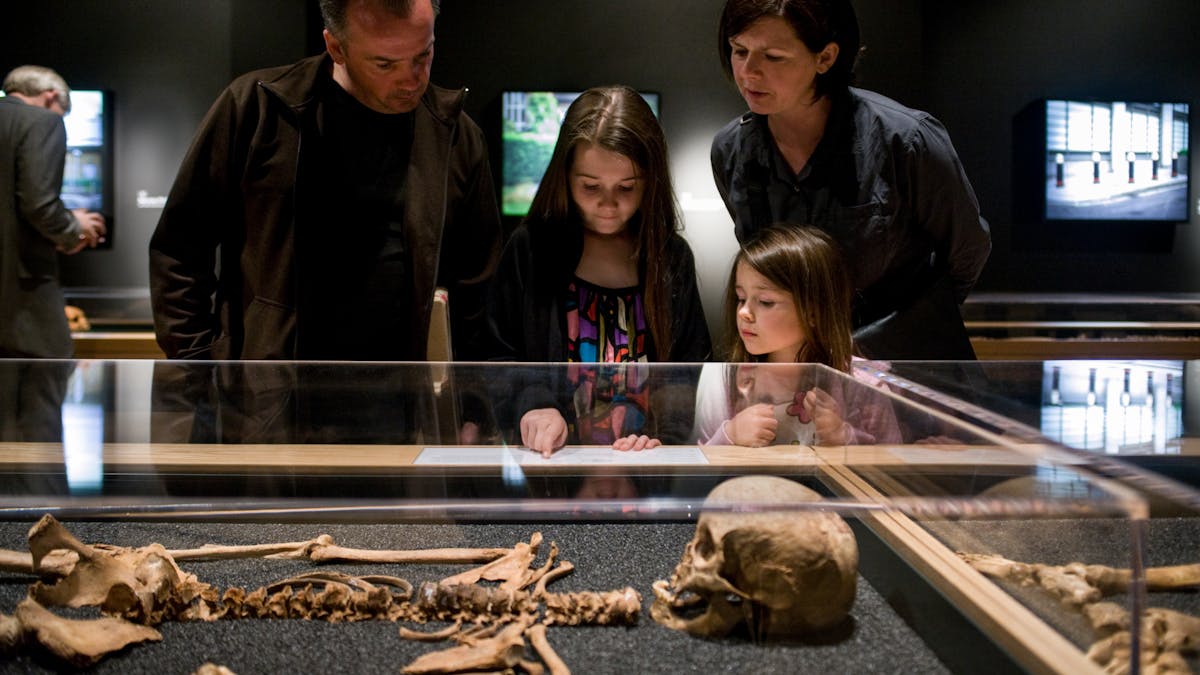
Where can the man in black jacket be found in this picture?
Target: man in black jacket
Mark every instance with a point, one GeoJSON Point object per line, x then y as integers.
{"type": "Point", "coordinates": [340, 192]}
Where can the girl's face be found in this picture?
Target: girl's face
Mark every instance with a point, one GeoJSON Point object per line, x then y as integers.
{"type": "Point", "coordinates": [606, 188]}
{"type": "Point", "coordinates": [774, 70]}
{"type": "Point", "coordinates": [767, 319]}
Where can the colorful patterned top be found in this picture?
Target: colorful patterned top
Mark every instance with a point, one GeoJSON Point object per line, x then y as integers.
{"type": "Point", "coordinates": [607, 325]}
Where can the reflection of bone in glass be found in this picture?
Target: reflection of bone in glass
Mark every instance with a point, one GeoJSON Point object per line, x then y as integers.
{"type": "Point", "coordinates": [773, 384]}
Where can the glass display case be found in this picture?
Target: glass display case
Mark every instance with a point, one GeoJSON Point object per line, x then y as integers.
{"type": "Point", "coordinates": [865, 527]}
{"type": "Point", "coordinates": [1133, 421]}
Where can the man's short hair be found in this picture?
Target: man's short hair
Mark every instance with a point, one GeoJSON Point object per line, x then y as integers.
{"type": "Point", "coordinates": [333, 12]}
{"type": "Point", "coordinates": [33, 80]}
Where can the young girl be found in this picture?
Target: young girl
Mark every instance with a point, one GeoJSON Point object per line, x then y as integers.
{"type": "Point", "coordinates": [598, 273]}
{"type": "Point", "coordinates": [788, 302]}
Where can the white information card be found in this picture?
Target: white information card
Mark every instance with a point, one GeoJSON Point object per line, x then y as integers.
{"type": "Point", "coordinates": [581, 454]}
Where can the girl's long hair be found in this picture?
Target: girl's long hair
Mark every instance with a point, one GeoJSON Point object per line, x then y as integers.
{"type": "Point", "coordinates": [617, 119]}
{"type": "Point", "coordinates": [805, 262]}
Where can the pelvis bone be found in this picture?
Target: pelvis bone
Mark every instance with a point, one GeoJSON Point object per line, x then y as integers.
{"type": "Point", "coordinates": [780, 574]}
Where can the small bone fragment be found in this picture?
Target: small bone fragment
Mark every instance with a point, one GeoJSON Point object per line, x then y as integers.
{"type": "Point", "coordinates": [445, 633]}
{"type": "Point", "coordinates": [564, 568]}
{"type": "Point", "coordinates": [532, 576]}
{"type": "Point", "coordinates": [510, 568]}
{"type": "Point", "coordinates": [11, 633]}
{"type": "Point", "coordinates": [1066, 584]}
{"type": "Point", "coordinates": [537, 638]}
{"type": "Point", "coordinates": [1107, 617]}
{"type": "Point", "coordinates": [531, 667]}
{"type": "Point", "coordinates": [500, 652]}
{"type": "Point", "coordinates": [1175, 631]}
{"type": "Point", "coordinates": [81, 642]}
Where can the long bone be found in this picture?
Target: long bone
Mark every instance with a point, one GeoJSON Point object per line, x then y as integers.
{"type": "Point", "coordinates": [1167, 634]}
{"type": "Point", "coordinates": [59, 562]}
{"type": "Point", "coordinates": [1106, 580]}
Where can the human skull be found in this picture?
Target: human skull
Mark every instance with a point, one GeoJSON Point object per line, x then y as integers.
{"type": "Point", "coordinates": [780, 574]}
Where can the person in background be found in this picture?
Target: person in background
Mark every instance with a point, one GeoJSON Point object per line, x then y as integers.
{"type": "Point", "coordinates": [340, 192]}
{"type": "Point", "coordinates": [598, 273]}
{"type": "Point", "coordinates": [882, 179]}
{"type": "Point", "coordinates": [35, 225]}
{"type": "Point", "coordinates": [788, 302]}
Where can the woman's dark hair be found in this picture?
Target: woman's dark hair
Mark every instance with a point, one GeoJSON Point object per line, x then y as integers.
{"type": "Point", "coordinates": [619, 120]}
{"type": "Point", "coordinates": [805, 262]}
{"type": "Point", "coordinates": [815, 22]}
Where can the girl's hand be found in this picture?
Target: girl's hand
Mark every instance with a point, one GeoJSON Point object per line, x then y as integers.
{"type": "Point", "coordinates": [754, 427]}
{"type": "Point", "coordinates": [826, 415]}
{"type": "Point", "coordinates": [635, 442]}
{"type": "Point", "coordinates": [543, 430]}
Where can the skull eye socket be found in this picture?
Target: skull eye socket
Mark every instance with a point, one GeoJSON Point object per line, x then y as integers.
{"type": "Point", "coordinates": [704, 543]}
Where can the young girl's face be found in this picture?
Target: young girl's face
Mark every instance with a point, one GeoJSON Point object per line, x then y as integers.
{"type": "Point", "coordinates": [606, 188]}
{"type": "Point", "coordinates": [767, 320]}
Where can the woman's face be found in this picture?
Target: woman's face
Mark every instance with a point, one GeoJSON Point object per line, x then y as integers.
{"type": "Point", "coordinates": [774, 70]}
{"type": "Point", "coordinates": [606, 188]}
{"type": "Point", "coordinates": [767, 320]}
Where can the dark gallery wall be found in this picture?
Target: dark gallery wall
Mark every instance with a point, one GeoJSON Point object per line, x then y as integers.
{"type": "Point", "coordinates": [164, 62]}
{"type": "Point", "coordinates": [972, 64]}
{"type": "Point", "coordinates": [984, 61]}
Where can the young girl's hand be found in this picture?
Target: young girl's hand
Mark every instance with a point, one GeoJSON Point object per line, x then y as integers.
{"type": "Point", "coordinates": [754, 427]}
{"type": "Point", "coordinates": [826, 415]}
{"type": "Point", "coordinates": [543, 430]}
{"type": "Point", "coordinates": [635, 442]}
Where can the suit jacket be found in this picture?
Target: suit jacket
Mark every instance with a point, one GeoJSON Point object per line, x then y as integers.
{"type": "Point", "coordinates": [33, 222]}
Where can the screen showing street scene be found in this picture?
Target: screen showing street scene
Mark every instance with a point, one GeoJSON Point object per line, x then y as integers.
{"type": "Point", "coordinates": [83, 175]}
{"type": "Point", "coordinates": [530, 130]}
{"type": "Point", "coordinates": [1116, 161]}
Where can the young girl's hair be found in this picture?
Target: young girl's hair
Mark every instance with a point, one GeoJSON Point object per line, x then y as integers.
{"type": "Point", "coordinates": [619, 120]}
{"type": "Point", "coordinates": [805, 262]}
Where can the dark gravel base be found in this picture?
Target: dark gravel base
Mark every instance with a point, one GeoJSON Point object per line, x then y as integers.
{"type": "Point", "coordinates": [607, 556]}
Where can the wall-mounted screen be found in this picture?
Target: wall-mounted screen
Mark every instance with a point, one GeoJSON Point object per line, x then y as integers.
{"type": "Point", "coordinates": [1119, 161]}
{"type": "Point", "coordinates": [86, 176]}
{"type": "Point", "coordinates": [529, 130]}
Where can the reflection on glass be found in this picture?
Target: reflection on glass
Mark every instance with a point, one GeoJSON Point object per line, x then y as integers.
{"type": "Point", "coordinates": [83, 430]}
{"type": "Point", "coordinates": [1135, 417]}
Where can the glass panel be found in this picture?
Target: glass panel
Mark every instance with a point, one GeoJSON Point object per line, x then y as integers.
{"type": "Point", "coordinates": [1133, 421]}
{"type": "Point", "coordinates": [417, 456]}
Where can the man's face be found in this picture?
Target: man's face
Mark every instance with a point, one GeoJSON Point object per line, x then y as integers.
{"type": "Point", "coordinates": [383, 60]}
